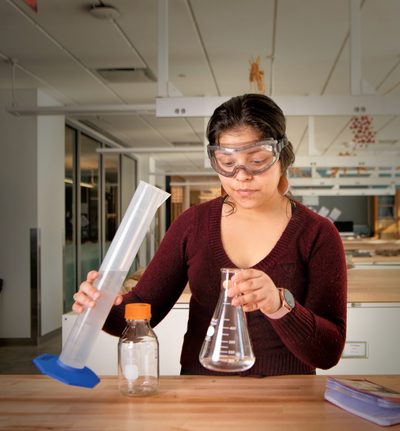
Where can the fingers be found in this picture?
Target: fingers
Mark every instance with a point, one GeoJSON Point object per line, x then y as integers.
{"type": "Point", "coordinates": [251, 307]}
{"type": "Point", "coordinates": [118, 300]}
{"type": "Point", "coordinates": [87, 294]}
{"type": "Point", "coordinates": [246, 281]}
{"type": "Point", "coordinates": [77, 308]}
{"type": "Point", "coordinates": [253, 290]}
{"type": "Point", "coordinates": [83, 300]}
{"type": "Point", "coordinates": [91, 276]}
{"type": "Point", "coordinates": [247, 274]}
{"type": "Point", "coordinates": [250, 300]}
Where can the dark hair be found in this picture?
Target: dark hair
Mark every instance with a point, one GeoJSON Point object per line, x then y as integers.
{"type": "Point", "coordinates": [256, 111]}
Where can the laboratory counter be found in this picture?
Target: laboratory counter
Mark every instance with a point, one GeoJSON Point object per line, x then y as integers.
{"type": "Point", "coordinates": [371, 284]}
{"type": "Point", "coordinates": [372, 244]}
{"type": "Point", "coordinates": [368, 284]}
{"type": "Point", "coordinates": [183, 403]}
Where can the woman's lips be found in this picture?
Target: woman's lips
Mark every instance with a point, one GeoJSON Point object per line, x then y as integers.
{"type": "Point", "coordinates": [245, 192]}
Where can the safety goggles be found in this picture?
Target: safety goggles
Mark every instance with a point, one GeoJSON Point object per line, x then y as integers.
{"type": "Point", "coordinates": [254, 158]}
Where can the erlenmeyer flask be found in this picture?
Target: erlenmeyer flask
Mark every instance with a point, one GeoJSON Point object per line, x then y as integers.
{"type": "Point", "coordinates": [227, 345]}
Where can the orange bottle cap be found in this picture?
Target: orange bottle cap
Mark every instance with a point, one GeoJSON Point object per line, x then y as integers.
{"type": "Point", "coordinates": [137, 311]}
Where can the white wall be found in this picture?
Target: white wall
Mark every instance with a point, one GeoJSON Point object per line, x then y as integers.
{"type": "Point", "coordinates": [18, 195]}
{"type": "Point", "coordinates": [31, 196]}
{"type": "Point", "coordinates": [51, 210]}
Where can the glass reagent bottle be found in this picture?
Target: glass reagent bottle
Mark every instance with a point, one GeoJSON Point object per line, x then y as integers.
{"type": "Point", "coordinates": [138, 363]}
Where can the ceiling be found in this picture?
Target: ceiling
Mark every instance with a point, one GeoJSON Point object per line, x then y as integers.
{"type": "Point", "coordinates": [303, 47]}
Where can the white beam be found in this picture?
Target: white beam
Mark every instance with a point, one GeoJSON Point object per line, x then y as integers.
{"type": "Point", "coordinates": [204, 106]}
{"type": "Point", "coordinates": [312, 148]}
{"type": "Point", "coordinates": [291, 105]}
{"type": "Point", "coordinates": [75, 110]}
{"type": "Point", "coordinates": [344, 181]}
{"type": "Point", "coordinates": [186, 173]}
{"type": "Point", "coordinates": [150, 150]}
{"type": "Point", "coordinates": [344, 192]}
{"type": "Point", "coordinates": [195, 183]}
{"type": "Point", "coordinates": [388, 159]}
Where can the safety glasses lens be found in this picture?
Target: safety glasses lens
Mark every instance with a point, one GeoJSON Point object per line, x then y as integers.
{"type": "Point", "coordinates": [255, 159]}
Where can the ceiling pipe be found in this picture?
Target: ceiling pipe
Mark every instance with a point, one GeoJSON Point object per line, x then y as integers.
{"type": "Point", "coordinates": [72, 110]}
{"type": "Point", "coordinates": [150, 150]}
{"type": "Point", "coordinates": [355, 47]}
{"type": "Point", "coordinates": [163, 43]}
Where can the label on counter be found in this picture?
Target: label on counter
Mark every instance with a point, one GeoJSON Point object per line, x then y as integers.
{"type": "Point", "coordinates": [355, 349]}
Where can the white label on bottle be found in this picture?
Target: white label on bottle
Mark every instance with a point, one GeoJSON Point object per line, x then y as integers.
{"type": "Point", "coordinates": [210, 331]}
{"type": "Point", "coordinates": [131, 372]}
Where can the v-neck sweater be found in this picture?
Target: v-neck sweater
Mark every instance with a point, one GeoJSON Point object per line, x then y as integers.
{"type": "Point", "coordinates": [308, 259]}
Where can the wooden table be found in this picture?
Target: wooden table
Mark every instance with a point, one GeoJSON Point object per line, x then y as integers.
{"type": "Point", "coordinates": [183, 403]}
{"type": "Point", "coordinates": [373, 285]}
{"type": "Point", "coordinates": [371, 244]}
{"type": "Point", "coordinates": [376, 260]}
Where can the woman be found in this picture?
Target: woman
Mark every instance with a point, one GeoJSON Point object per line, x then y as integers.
{"type": "Point", "coordinates": [293, 279]}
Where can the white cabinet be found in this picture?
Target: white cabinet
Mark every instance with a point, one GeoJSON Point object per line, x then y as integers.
{"type": "Point", "coordinates": [170, 334]}
{"type": "Point", "coordinates": [372, 341]}
{"type": "Point", "coordinates": [103, 358]}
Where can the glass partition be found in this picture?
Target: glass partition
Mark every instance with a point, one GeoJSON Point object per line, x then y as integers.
{"type": "Point", "coordinates": [111, 197]}
{"type": "Point", "coordinates": [70, 269]}
{"type": "Point", "coordinates": [89, 206]}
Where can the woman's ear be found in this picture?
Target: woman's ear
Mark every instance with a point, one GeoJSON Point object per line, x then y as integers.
{"type": "Point", "coordinates": [283, 185]}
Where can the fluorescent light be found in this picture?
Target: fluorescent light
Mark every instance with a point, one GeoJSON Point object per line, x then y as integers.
{"type": "Point", "coordinates": [82, 183]}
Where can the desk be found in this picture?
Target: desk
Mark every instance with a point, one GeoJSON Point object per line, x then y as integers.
{"type": "Point", "coordinates": [376, 260]}
{"type": "Point", "coordinates": [368, 284]}
{"type": "Point", "coordinates": [373, 284]}
{"type": "Point", "coordinates": [371, 244]}
{"type": "Point", "coordinates": [184, 403]}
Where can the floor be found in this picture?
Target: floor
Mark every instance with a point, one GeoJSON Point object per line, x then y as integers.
{"type": "Point", "coordinates": [18, 359]}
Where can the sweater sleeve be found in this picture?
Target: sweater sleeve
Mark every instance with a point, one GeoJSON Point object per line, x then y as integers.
{"type": "Point", "coordinates": [163, 280]}
{"type": "Point", "coordinates": [315, 330]}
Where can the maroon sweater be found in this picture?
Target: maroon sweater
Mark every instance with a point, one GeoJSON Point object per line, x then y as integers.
{"type": "Point", "coordinates": [308, 260]}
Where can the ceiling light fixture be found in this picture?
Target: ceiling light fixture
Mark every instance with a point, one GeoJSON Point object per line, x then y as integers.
{"type": "Point", "coordinates": [104, 11]}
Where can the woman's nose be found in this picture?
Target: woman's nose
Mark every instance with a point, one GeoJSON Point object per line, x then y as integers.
{"type": "Point", "coordinates": [242, 174]}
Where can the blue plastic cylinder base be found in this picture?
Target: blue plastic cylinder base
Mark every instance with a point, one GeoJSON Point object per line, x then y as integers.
{"type": "Point", "coordinates": [53, 367]}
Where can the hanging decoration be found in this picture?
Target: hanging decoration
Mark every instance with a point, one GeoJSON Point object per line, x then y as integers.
{"type": "Point", "coordinates": [363, 130]}
{"type": "Point", "coordinates": [32, 4]}
{"type": "Point", "coordinates": [256, 76]}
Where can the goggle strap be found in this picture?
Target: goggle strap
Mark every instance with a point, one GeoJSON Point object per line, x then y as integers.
{"type": "Point", "coordinates": [282, 143]}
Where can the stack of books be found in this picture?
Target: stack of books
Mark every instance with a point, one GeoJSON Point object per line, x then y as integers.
{"type": "Point", "coordinates": [365, 398]}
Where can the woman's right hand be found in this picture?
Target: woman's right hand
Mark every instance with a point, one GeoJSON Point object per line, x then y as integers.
{"type": "Point", "coordinates": [87, 295]}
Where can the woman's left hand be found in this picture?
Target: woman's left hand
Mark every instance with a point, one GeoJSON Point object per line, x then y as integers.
{"type": "Point", "coordinates": [254, 290]}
